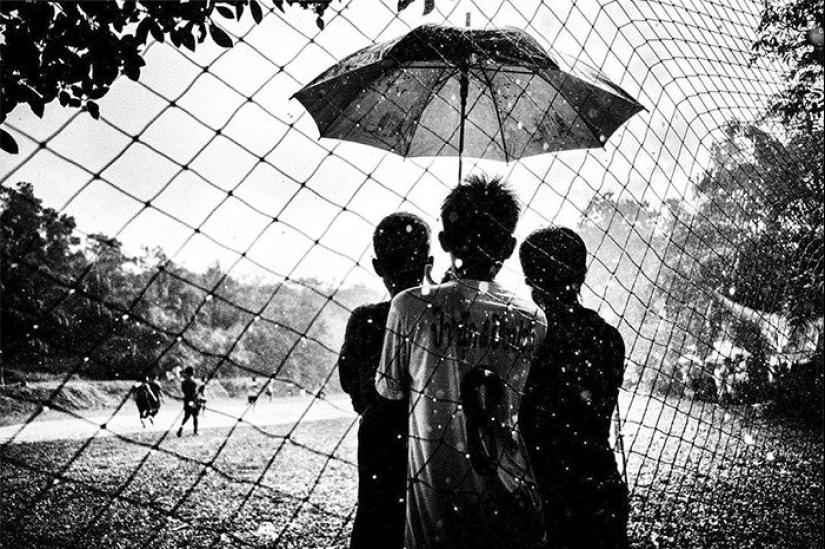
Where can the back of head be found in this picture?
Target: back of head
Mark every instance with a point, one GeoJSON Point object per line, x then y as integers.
{"type": "Point", "coordinates": [554, 260]}
{"type": "Point", "coordinates": [189, 371]}
{"type": "Point", "coordinates": [480, 217]}
{"type": "Point", "coordinates": [402, 246]}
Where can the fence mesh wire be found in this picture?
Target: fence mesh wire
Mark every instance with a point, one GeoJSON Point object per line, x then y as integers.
{"type": "Point", "coordinates": [220, 232]}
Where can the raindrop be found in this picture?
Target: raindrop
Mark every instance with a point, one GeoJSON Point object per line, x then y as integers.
{"type": "Point", "coordinates": [409, 228]}
{"type": "Point", "coordinates": [459, 263]}
{"type": "Point", "coordinates": [209, 297]}
{"type": "Point", "coordinates": [125, 318]}
{"type": "Point", "coordinates": [546, 146]}
{"type": "Point", "coordinates": [731, 290]}
{"type": "Point", "coordinates": [602, 138]}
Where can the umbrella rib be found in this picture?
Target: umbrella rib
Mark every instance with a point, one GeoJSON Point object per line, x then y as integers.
{"type": "Point", "coordinates": [417, 122]}
{"type": "Point", "coordinates": [498, 115]}
{"type": "Point", "coordinates": [592, 128]}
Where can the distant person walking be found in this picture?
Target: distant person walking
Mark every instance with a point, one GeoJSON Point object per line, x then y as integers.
{"type": "Point", "coordinates": [401, 243]}
{"type": "Point", "coordinates": [148, 398]}
{"type": "Point", "coordinates": [252, 390]}
{"type": "Point", "coordinates": [191, 407]}
{"type": "Point", "coordinates": [572, 391]}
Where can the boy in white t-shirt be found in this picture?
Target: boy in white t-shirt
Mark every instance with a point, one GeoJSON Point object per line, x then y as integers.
{"type": "Point", "coordinates": [460, 352]}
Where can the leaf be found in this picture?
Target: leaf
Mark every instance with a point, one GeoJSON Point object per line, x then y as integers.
{"type": "Point", "coordinates": [142, 31]}
{"type": "Point", "coordinates": [7, 142]}
{"type": "Point", "coordinates": [404, 4]}
{"type": "Point", "coordinates": [429, 6]}
{"type": "Point", "coordinates": [156, 31]}
{"type": "Point", "coordinates": [239, 10]}
{"type": "Point", "coordinates": [255, 8]}
{"type": "Point", "coordinates": [93, 109]}
{"type": "Point", "coordinates": [279, 4]}
{"type": "Point", "coordinates": [320, 22]}
{"type": "Point", "coordinates": [188, 40]}
{"type": "Point", "coordinates": [225, 12]}
{"type": "Point", "coordinates": [220, 37]}
{"type": "Point", "coordinates": [37, 105]}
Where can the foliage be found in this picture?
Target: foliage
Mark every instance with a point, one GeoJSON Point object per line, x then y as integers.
{"type": "Point", "coordinates": [791, 31]}
{"type": "Point", "coordinates": [754, 232]}
{"type": "Point", "coordinates": [70, 304]}
{"type": "Point", "coordinates": [37, 245]}
{"type": "Point", "coordinates": [73, 51]}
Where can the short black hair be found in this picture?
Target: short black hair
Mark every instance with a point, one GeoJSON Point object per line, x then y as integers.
{"type": "Point", "coordinates": [553, 259]}
{"type": "Point", "coordinates": [189, 370]}
{"type": "Point", "coordinates": [402, 244]}
{"type": "Point", "coordinates": [479, 217]}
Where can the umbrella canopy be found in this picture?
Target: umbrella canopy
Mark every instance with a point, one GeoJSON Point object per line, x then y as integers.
{"type": "Point", "coordinates": [445, 91]}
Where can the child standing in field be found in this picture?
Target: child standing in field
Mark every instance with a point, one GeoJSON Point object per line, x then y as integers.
{"type": "Point", "coordinates": [191, 407]}
{"type": "Point", "coordinates": [252, 390]}
{"type": "Point", "coordinates": [460, 353]}
{"type": "Point", "coordinates": [572, 391]}
{"type": "Point", "coordinates": [402, 250]}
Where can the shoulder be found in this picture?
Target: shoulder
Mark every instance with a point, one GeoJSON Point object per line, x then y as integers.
{"type": "Point", "coordinates": [371, 310]}
{"type": "Point", "coordinates": [529, 309]}
{"type": "Point", "coordinates": [418, 297]}
{"type": "Point", "coordinates": [608, 334]}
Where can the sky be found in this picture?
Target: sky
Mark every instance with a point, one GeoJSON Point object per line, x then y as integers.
{"type": "Point", "coordinates": [209, 158]}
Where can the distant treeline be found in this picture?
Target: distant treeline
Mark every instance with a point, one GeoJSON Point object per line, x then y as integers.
{"type": "Point", "coordinates": [84, 306]}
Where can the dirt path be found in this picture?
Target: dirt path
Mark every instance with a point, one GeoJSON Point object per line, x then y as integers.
{"type": "Point", "coordinates": [218, 413]}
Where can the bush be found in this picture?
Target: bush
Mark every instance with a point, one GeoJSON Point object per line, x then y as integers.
{"type": "Point", "coordinates": [800, 391]}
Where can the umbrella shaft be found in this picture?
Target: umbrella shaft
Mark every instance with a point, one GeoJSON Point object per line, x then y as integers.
{"type": "Point", "coordinates": [464, 83]}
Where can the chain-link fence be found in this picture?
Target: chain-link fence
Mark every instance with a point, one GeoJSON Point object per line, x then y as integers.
{"type": "Point", "coordinates": [211, 227]}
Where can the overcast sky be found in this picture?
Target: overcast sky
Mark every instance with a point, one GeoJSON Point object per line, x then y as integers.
{"type": "Point", "coordinates": [687, 63]}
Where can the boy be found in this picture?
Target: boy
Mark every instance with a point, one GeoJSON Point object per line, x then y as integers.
{"type": "Point", "coordinates": [402, 247]}
{"type": "Point", "coordinates": [189, 388]}
{"type": "Point", "coordinates": [460, 353]}
{"type": "Point", "coordinates": [148, 398]}
{"type": "Point", "coordinates": [572, 391]}
{"type": "Point", "coordinates": [402, 251]}
{"type": "Point", "coordinates": [252, 391]}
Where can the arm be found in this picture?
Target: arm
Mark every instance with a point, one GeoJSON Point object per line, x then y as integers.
{"type": "Point", "coordinates": [348, 360]}
{"type": "Point", "coordinates": [391, 377]}
{"type": "Point", "coordinates": [607, 393]}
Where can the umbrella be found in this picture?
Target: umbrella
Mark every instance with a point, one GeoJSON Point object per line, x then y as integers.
{"type": "Point", "coordinates": [445, 91]}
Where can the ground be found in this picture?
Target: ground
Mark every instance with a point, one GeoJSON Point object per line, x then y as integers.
{"type": "Point", "coordinates": [701, 476]}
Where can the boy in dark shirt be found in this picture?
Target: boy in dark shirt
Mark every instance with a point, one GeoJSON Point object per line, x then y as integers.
{"type": "Point", "coordinates": [191, 406]}
{"type": "Point", "coordinates": [572, 391]}
{"type": "Point", "coordinates": [402, 252]}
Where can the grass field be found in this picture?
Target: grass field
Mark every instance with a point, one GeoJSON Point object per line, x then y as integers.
{"type": "Point", "coordinates": [701, 477]}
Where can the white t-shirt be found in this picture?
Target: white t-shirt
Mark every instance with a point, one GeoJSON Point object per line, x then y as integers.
{"type": "Point", "coordinates": [461, 352]}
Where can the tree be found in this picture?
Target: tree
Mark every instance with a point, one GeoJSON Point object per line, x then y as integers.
{"type": "Point", "coordinates": [73, 51]}
{"type": "Point", "coordinates": [754, 235]}
{"type": "Point", "coordinates": [39, 257]}
{"type": "Point", "coordinates": [791, 31]}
